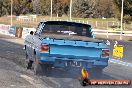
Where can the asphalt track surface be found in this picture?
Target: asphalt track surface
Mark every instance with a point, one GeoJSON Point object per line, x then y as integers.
{"type": "Point", "coordinates": [14, 75]}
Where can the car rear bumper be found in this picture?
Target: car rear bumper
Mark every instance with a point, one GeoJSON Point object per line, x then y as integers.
{"type": "Point", "coordinates": [72, 62]}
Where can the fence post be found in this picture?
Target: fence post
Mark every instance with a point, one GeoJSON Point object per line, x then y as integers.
{"type": "Point", "coordinates": [113, 23]}
{"type": "Point", "coordinates": [33, 19]}
{"type": "Point", "coordinates": [96, 24]}
{"type": "Point", "coordinates": [102, 24]}
{"type": "Point", "coordinates": [87, 22]}
{"type": "Point", "coordinates": [21, 23]}
{"type": "Point", "coordinates": [107, 34]}
{"type": "Point", "coordinates": [107, 30]}
{"type": "Point", "coordinates": [36, 19]}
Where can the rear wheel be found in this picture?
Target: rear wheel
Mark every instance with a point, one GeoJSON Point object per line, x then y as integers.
{"type": "Point", "coordinates": [41, 68]}
{"type": "Point", "coordinates": [37, 66]}
{"type": "Point", "coordinates": [26, 61]}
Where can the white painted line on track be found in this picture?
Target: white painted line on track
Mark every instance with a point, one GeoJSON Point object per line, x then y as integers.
{"type": "Point", "coordinates": [120, 62]}
{"type": "Point", "coordinates": [32, 81]}
{"type": "Point", "coordinates": [27, 78]}
{"type": "Point", "coordinates": [12, 85]}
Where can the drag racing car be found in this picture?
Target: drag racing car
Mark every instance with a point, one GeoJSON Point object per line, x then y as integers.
{"type": "Point", "coordinates": [62, 44]}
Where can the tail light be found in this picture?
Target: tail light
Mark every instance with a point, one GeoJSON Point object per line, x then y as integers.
{"type": "Point", "coordinates": [105, 53]}
{"type": "Point", "coordinates": [44, 48]}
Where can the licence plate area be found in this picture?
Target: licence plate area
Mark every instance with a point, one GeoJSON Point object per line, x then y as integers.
{"type": "Point", "coordinates": [72, 63]}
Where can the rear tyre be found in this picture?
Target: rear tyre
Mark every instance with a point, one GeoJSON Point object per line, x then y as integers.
{"type": "Point", "coordinates": [30, 63]}
{"type": "Point", "coordinates": [41, 68]}
{"type": "Point", "coordinates": [26, 55]}
{"type": "Point", "coordinates": [37, 66]}
{"type": "Point", "coordinates": [26, 61]}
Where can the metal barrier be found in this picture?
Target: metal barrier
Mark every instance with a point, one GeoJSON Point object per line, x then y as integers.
{"type": "Point", "coordinates": [110, 32]}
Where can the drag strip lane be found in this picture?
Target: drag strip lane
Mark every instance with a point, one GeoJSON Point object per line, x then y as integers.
{"type": "Point", "coordinates": [13, 52]}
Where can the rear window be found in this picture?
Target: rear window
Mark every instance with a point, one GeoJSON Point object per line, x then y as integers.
{"type": "Point", "coordinates": [62, 29]}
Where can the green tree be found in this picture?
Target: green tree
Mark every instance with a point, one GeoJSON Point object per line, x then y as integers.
{"type": "Point", "coordinates": [21, 7]}
{"type": "Point", "coordinates": [1, 3]}
{"type": "Point", "coordinates": [60, 7]}
{"type": "Point", "coordinates": [37, 6]}
{"type": "Point", "coordinates": [45, 7]}
{"type": "Point", "coordinates": [6, 7]}
{"type": "Point", "coordinates": [127, 9]}
{"type": "Point", "coordinates": [84, 8]}
{"type": "Point", "coordinates": [64, 4]}
{"type": "Point", "coordinates": [104, 8]}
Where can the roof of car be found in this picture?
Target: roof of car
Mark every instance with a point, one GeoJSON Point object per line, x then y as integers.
{"type": "Point", "coordinates": [67, 23]}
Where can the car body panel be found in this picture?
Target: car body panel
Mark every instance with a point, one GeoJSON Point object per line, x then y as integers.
{"type": "Point", "coordinates": [67, 51]}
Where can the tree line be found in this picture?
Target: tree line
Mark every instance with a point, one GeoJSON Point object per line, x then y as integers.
{"type": "Point", "coordinates": [80, 8]}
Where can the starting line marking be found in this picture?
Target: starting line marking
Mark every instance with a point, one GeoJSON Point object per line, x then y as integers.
{"type": "Point", "coordinates": [120, 62]}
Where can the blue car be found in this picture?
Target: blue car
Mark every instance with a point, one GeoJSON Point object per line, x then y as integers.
{"type": "Point", "coordinates": [62, 44]}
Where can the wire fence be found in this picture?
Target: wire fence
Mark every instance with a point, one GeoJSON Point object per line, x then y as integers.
{"type": "Point", "coordinates": [26, 21]}
{"type": "Point", "coordinates": [101, 28]}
